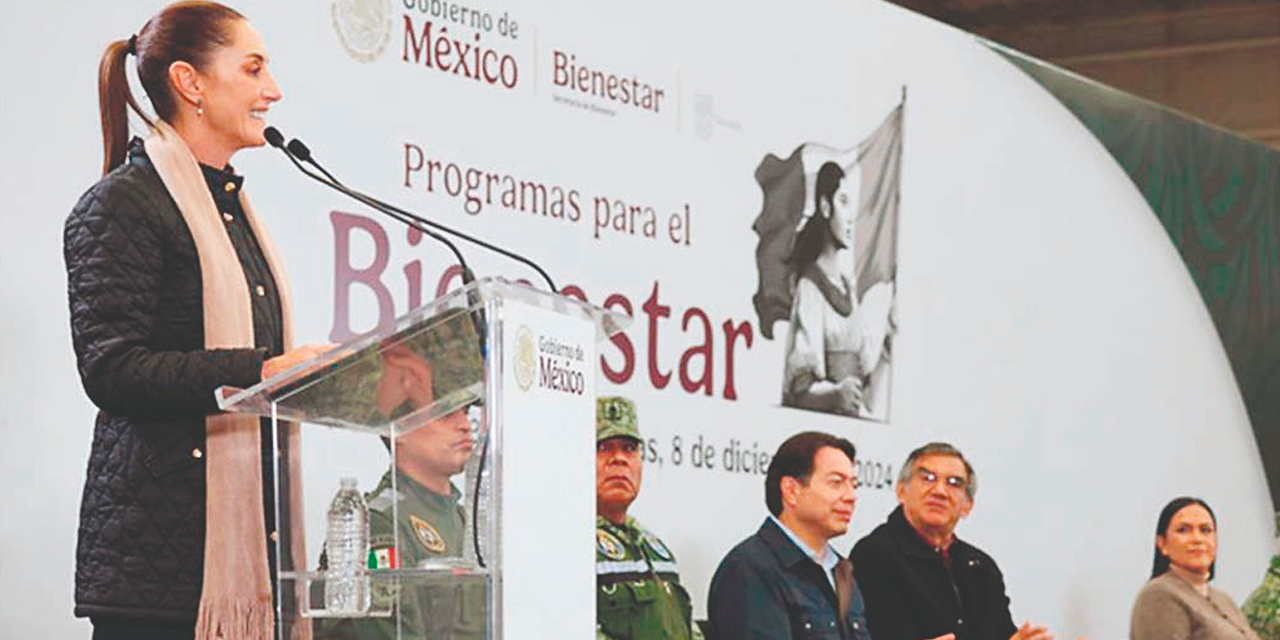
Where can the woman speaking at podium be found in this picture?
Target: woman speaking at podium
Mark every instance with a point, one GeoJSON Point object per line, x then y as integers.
{"type": "Point", "coordinates": [175, 290]}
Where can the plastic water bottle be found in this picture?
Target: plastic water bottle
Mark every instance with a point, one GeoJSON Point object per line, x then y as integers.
{"type": "Point", "coordinates": [346, 586]}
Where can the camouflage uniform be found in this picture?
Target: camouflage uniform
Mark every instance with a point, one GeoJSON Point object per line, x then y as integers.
{"type": "Point", "coordinates": [431, 526]}
{"type": "Point", "coordinates": [638, 590]}
{"type": "Point", "coordinates": [1263, 607]}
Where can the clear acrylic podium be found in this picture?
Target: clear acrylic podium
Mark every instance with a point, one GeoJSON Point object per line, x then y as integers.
{"type": "Point", "coordinates": [482, 401]}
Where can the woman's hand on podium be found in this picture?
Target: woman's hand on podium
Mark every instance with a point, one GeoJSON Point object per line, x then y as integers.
{"type": "Point", "coordinates": [293, 358]}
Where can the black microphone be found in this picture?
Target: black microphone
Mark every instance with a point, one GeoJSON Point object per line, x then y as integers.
{"type": "Point", "coordinates": [276, 139]}
{"type": "Point", "coordinates": [303, 153]}
{"type": "Point", "coordinates": [296, 148]}
{"type": "Point", "coordinates": [300, 151]}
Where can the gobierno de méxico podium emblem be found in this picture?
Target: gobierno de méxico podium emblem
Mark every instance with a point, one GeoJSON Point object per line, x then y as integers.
{"type": "Point", "coordinates": [525, 358]}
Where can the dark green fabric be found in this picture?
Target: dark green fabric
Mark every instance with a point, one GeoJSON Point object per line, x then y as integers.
{"type": "Point", "coordinates": [639, 595]}
{"type": "Point", "coordinates": [431, 526]}
{"type": "Point", "coordinates": [1218, 197]}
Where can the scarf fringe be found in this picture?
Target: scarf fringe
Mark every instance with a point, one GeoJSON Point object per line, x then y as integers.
{"type": "Point", "coordinates": [235, 620]}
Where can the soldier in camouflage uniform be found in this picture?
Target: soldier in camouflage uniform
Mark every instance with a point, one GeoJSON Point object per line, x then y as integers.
{"type": "Point", "coordinates": [1263, 607]}
{"type": "Point", "coordinates": [639, 596]}
{"type": "Point", "coordinates": [432, 522]}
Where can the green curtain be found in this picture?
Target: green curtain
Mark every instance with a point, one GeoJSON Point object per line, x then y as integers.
{"type": "Point", "coordinates": [1218, 197]}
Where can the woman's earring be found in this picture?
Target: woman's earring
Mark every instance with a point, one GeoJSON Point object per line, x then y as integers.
{"type": "Point", "coordinates": [199, 110]}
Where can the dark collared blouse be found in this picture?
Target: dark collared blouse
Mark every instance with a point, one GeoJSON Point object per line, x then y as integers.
{"type": "Point", "coordinates": [268, 332]}
{"type": "Point", "coordinates": [268, 323]}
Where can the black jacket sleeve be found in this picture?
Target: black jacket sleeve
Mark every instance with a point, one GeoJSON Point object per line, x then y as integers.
{"type": "Point", "coordinates": [115, 246]}
{"type": "Point", "coordinates": [888, 614]}
{"type": "Point", "coordinates": [1002, 625]}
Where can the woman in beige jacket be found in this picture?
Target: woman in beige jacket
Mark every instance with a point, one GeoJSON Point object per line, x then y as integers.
{"type": "Point", "coordinates": [1178, 603]}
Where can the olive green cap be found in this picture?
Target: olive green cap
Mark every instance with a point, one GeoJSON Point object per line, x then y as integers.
{"type": "Point", "coordinates": [616, 418]}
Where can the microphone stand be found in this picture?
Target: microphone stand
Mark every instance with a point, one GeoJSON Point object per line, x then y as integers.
{"type": "Point", "coordinates": [303, 153]}
{"type": "Point", "coordinates": [277, 142]}
{"type": "Point", "coordinates": [296, 148]}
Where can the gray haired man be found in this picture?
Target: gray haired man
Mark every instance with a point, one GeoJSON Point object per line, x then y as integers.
{"type": "Point", "coordinates": [918, 579]}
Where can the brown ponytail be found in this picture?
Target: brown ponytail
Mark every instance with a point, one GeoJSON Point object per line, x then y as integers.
{"type": "Point", "coordinates": [114, 99]}
{"type": "Point", "coordinates": [187, 31]}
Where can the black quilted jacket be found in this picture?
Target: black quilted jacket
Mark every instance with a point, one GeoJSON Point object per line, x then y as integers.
{"type": "Point", "coordinates": [133, 279]}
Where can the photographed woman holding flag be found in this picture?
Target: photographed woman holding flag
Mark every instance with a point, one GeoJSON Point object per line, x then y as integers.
{"type": "Point", "coordinates": [175, 290]}
{"type": "Point", "coordinates": [836, 342]}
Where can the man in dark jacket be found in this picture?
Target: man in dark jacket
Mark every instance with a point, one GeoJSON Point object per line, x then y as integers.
{"type": "Point", "coordinates": [918, 579]}
{"type": "Point", "coordinates": [786, 581]}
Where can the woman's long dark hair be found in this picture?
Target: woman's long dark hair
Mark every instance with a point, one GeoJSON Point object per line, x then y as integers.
{"type": "Point", "coordinates": [1161, 562]}
{"type": "Point", "coordinates": [186, 31]}
{"type": "Point", "coordinates": [814, 234]}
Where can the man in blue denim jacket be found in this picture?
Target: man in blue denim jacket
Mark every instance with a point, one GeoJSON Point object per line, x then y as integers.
{"type": "Point", "coordinates": [786, 582]}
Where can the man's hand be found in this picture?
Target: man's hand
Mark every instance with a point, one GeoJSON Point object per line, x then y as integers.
{"type": "Point", "coordinates": [1029, 631]}
{"type": "Point", "coordinates": [949, 636]}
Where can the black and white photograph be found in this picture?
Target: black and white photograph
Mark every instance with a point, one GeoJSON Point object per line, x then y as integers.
{"type": "Point", "coordinates": [827, 261]}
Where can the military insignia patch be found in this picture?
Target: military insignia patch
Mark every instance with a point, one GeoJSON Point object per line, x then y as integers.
{"type": "Point", "coordinates": [427, 534]}
{"type": "Point", "coordinates": [657, 547]}
{"type": "Point", "coordinates": [609, 545]}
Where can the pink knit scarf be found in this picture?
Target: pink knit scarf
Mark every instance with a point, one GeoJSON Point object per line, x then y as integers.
{"type": "Point", "coordinates": [235, 602]}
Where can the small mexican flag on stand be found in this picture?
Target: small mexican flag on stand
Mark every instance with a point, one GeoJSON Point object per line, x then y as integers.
{"type": "Point", "coordinates": [384, 558]}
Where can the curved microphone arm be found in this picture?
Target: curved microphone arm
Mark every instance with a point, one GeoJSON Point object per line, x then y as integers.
{"type": "Point", "coordinates": [296, 147]}
{"type": "Point", "coordinates": [276, 141]}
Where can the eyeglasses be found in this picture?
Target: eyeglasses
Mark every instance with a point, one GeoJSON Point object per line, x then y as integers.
{"type": "Point", "coordinates": [954, 483]}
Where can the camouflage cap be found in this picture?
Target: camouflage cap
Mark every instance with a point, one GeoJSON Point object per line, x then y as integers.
{"type": "Point", "coordinates": [451, 344]}
{"type": "Point", "coordinates": [616, 417]}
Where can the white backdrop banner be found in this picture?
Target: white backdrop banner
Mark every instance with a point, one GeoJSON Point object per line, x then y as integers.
{"type": "Point", "coordinates": [1012, 292]}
